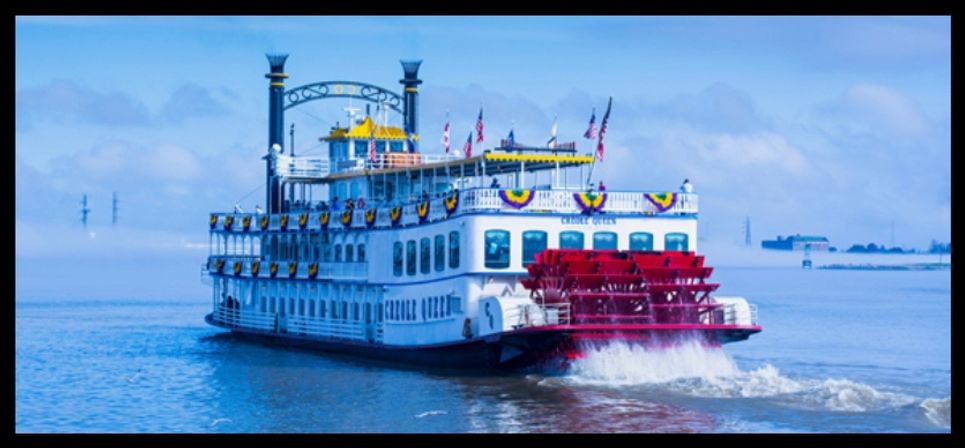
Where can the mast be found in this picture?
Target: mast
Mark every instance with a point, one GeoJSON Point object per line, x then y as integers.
{"type": "Point", "coordinates": [276, 128]}
{"type": "Point", "coordinates": [84, 211]}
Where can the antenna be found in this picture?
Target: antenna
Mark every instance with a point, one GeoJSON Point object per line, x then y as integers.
{"type": "Point", "coordinates": [747, 231]}
{"type": "Point", "coordinates": [292, 145]}
{"type": "Point", "coordinates": [84, 211]}
{"type": "Point", "coordinates": [114, 210]}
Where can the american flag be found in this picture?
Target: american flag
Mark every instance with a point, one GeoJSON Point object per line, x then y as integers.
{"type": "Point", "coordinates": [551, 143]}
{"type": "Point", "coordinates": [606, 117]}
{"type": "Point", "coordinates": [445, 135]}
{"type": "Point", "coordinates": [467, 148]}
{"type": "Point", "coordinates": [372, 149]}
{"type": "Point", "coordinates": [479, 127]}
{"type": "Point", "coordinates": [511, 140]}
{"type": "Point", "coordinates": [590, 133]}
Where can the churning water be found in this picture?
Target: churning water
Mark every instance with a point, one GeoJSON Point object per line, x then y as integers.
{"type": "Point", "coordinates": [841, 351]}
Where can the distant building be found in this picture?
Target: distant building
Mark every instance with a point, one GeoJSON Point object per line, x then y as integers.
{"type": "Point", "coordinates": [797, 242]}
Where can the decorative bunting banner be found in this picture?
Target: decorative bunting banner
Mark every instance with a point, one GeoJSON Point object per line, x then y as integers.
{"type": "Point", "coordinates": [255, 266]}
{"type": "Point", "coordinates": [264, 222]}
{"type": "Point", "coordinates": [451, 203]}
{"type": "Point", "coordinates": [395, 215]}
{"type": "Point", "coordinates": [590, 202]}
{"type": "Point", "coordinates": [228, 222]}
{"type": "Point", "coordinates": [370, 217]}
{"type": "Point", "coordinates": [422, 209]}
{"type": "Point", "coordinates": [313, 270]}
{"type": "Point", "coordinates": [213, 221]}
{"type": "Point", "coordinates": [219, 265]}
{"type": "Point", "coordinates": [517, 198]}
{"type": "Point", "coordinates": [663, 201]}
{"type": "Point", "coordinates": [273, 269]}
{"type": "Point", "coordinates": [303, 221]}
{"type": "Point", "coordinates": [237, 268]}
{"type": "Point", "coordinates": [283, 222]}
{"type": "Point", "coordinates": [347, 218]}
{"type": "Point", "coordinates": [292, 269]}
{"type": "Point", "coordinates": [245, 222]}
{"type": "Point", "coordinates": [323, 220]}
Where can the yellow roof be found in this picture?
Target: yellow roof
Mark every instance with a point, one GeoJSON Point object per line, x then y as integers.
{"type": "Point", "coordinates": [542, 158]}
{"type": "Point", "coordinates": [368, 128]}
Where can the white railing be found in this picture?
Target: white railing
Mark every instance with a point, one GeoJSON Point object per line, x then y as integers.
{"type": "Point", "coordinates": [308, 326]}
{"type": "Point", "coordinates": [534, 315]}
{"type": "Point", "coordinates": [470, 201]}
{"type": "Point", "coordinates": [242, 318]}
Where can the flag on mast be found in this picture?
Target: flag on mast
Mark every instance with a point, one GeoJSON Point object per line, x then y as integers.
{"type": "Point", "coordinates": [590, 133]}
{"type": "Point", "coordinates": [445, 135]}
{"type": "Point", "coordinates": [510, 140]}
{"type": "Point", "coordinates": [467, 148]}
{"type": "Point", "coordinates": [372, 142]}
{"type": "Point", "coordinates": [551, 143]}
{"type": "Point", "coordinates": [606, 118]}
{"type": "Point", "coordinates": [479, 127]}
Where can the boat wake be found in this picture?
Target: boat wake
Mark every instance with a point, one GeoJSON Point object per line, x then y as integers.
{"type": "Point", "coordinates": [696, 370]}
{"type": "Point", "coordinates": [938, 411]}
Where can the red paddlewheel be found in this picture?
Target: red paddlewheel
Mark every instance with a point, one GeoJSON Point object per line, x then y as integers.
{"type": "Point", "coordinates": [624, 287]}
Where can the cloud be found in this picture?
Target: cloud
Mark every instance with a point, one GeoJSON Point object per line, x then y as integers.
{"type": "Point", "coordinates": [193, 101]}
{"type": "Point", "coordinates": [64, 101]}
{"type": "Point", "coordinates": [871, 109]}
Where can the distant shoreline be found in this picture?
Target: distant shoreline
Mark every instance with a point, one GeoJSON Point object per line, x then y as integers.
{"type": "Point", "coordinates": [889, 267]}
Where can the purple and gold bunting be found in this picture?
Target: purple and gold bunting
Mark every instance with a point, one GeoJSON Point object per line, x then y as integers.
{"type": "Point", "coordinates": [283, 222]}
{"type": "Point", "coordinates": [255, 266]}
{"type": "Point", "coordinates": [451, 203]}
{"type": "Point", "coordinates": [590, 202]}
{"type": "Point", "coordinates": [323, 220]}
{"type": "Point", "coordinates": [292, 269]}
{"type": "Point", "coordinates": [346, 218]}
{"type": "Point", "coordinates": [264, 222]}
{"type": "Point", "coordinates": [213, 221]}
{"type": "Point", "coordinates": [663, 201]}
{"type": "Point", "coordinates": [422, 209]}
{"type": "Point", "coordinates": [237, 268]}
{"type": "Point", "coordinates": [273, 269]}
{"type": "Point", "coordinates": [312, 270]}
{"type": "Point", "coordinates": [219, 265]}
{"type": "Point", "coordinates": [245, 223]}
{"type": "Point", "coordinates": [395, 215]}
{"type": "Point", "coordinates": [517, 198]}
{"type": "Point", "coordinates": [228, 222]}
{"type": "Point", "coordinates": [302, 221]}
{"type": "Point", "coordinates": [370, 217]}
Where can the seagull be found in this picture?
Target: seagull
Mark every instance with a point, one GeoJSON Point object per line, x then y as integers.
{"type": "Point", "coordinates": [134, 376]}
{"type": "Point", "coordinates": [219, 421]}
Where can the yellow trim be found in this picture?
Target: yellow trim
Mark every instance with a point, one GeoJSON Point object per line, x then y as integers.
{"type": "Point", "coordinates": [277, 75]}
{"type": "Point", "coordinates": [412, 90]}
{"type": "Point", "coordinates": [278, 84]}
{"type": "Point", "coordinates": [369, 129]}
{"type": "Point", "coordinates": [496, 157]}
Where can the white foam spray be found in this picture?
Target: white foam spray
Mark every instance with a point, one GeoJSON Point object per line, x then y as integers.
{"type": "Point", "coordinates": [693, 369]}
{"type": "Point", "coordinates": [939, 411]}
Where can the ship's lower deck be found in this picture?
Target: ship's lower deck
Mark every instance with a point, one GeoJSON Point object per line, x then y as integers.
{"type": "Point", "coordinates": [547, 348]}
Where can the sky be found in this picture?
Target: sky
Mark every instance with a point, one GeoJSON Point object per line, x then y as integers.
{"type": "Point", "coordinates": [837, 126]}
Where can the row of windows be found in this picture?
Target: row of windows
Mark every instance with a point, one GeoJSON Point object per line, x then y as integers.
{"type": "Point", "coordinates": [407, 258]}
{"type": "Point", "coordinates": [497, 245]}
{"type": "Point", "coordinates": [405, 310]}
{"type": "Point", "coordinates": [320, 308]}
{"type": "Point", "coordinates": [313, 248]}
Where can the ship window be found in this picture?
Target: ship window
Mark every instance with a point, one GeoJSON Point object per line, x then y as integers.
{"type": "Point", "coordinates": [283, 249]}
{"type": "Point", "coordinates": [397, 259]}
{"type": "Point", "coordinates": [395, 146]}
{"type": "Point", "coordinates": [423, 307]}
{"type": "Point", "coordinates": [675, 241]}
{"type": "Point", "coordinates": [605, 240]}
{"type": "Point", "coordinates": [454, 249]}
{"type": "Point", "coordinates": [641, 241]}
{"type": "Point", "coordinates": [291, 307]}
{"type": "Point", "coordinates": [349, 253]}
{"type": "Point", "coordinates": [271, 305]}
{"type": "Point", "coordinates": [368, 313]}
{"type": "Point", "coordinates": [355, 311]}
{"type": "Point", "coordinates": [334, 310]}
{"type": "Point", "coordinates": [361, 252]}
{"type": "Point", "coordinates": [338, 253]}
{"type": "Point", "coordinates": [301, 307]}
{"type": "Point", "coordinates": [534, 241]}
{"type": "Point", "coordinates": [571, 240]}
{"type": "Point", "coordinates": [379, 313]}
{"type": "Point", "coordinates": [345, 310]}
{"type": "Point", "coordinates": [274, 248]}
{"type": "Point", "coordinates": [440, 261]}
{"type": "Point", "coordinates": [355, 189]}
{"type": "Point", "coordinates": [449, 306]}
{"type": "Point", "coordinates": [497, 249]}
{"type": "Point", "coordinates": [263, 304]}
{"type": "Point", "coordinates": [424, 253]}
{"type": "Point", "coordinates": [321, 309]}
{"type": "Point", "coordinates": [410, 257]}
{"type": "Point", "coordinates": [305, 248]}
